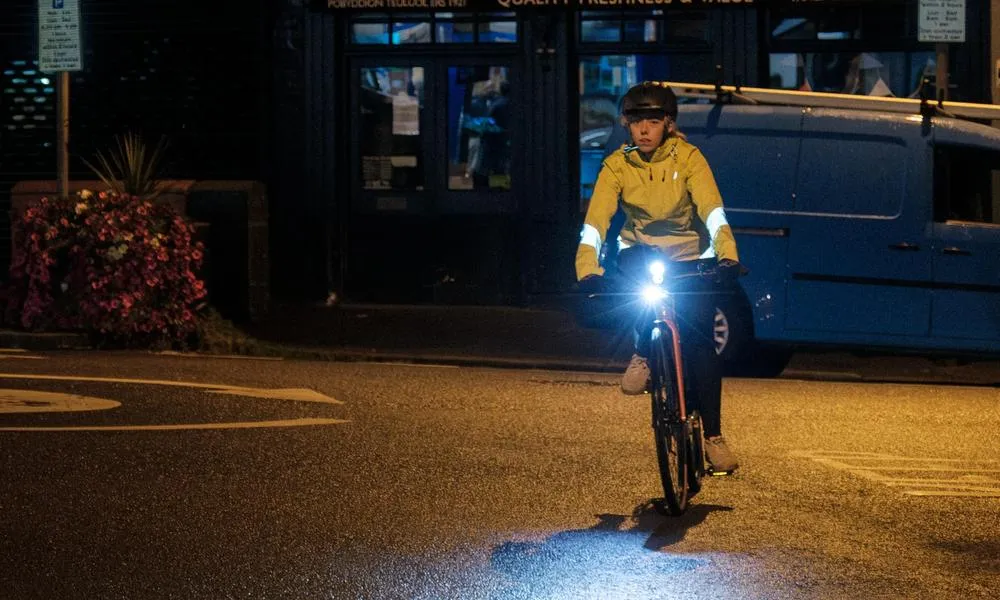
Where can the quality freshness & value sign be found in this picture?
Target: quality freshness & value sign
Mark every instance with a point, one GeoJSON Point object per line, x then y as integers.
{"type": "Point", "coordinates": [495, 5]}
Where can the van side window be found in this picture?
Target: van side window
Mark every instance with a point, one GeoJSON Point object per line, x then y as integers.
{"type": "Point", "coordinates": [966, 184]}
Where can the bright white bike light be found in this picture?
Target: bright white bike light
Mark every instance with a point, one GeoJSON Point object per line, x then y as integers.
{"type": "Point", "coordinates": [653, 294]}
{"type": "Point", "coordinates": [656, 270]}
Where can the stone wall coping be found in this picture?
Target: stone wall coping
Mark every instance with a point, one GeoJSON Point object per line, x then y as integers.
{"type": "Point", "coordinates": [50, 186]}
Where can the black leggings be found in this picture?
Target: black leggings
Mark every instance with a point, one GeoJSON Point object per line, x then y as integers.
{"type": "Point", "coordinates": [695, 301]}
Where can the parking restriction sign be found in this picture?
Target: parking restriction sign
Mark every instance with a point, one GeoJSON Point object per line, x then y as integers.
{"type": "Point", "coordinates": [59, 35]}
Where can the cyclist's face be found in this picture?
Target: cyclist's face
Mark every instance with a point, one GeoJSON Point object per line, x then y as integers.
{"type": "Point", "coordinates": [647, 133]}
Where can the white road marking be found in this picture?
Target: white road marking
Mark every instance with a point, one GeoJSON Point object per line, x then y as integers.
{"type": "Point", "coordinates": [299, 394]}
{"type": "Point", "coordinates": [228, 356]}
{"type": "Point", "coordinates": [21, 400]}
{"type": "Point", "coordinates": [804, 373]}
{"type": "Point", "coordinates": [992, 494]}
{"type": "Point", "coordinates": [182, 427]}
{"type": "Point", "coordinates": [943, 469]}
{"type": "Point", "coordinates": [18, 353]}
{"type": "Point", "coordinates": [969, 484]}
{"type": "Point", "coordinates": [30, 401]}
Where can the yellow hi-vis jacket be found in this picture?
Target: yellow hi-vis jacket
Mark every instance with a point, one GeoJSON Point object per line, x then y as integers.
{"type": "Point", "coordinates": [671, 202]}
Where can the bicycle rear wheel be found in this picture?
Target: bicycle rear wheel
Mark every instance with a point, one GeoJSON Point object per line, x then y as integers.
{"type": "Point", "coordinates": [671, 434]}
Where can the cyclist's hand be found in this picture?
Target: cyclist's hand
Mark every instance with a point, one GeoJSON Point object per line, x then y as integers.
{"type": "Point", "coordinates": [730, 269]}
{"type": "Point", "coordinates": [591, 284]}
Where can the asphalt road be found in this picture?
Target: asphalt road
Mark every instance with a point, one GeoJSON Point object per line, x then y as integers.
{"type": "Point", "coordinates": [213, 478]}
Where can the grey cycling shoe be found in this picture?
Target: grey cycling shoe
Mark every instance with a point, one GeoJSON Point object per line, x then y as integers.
{"type": "Point", "coordinates": [720, 457]}
{"type": "Point", "coordinates": [636, 377]}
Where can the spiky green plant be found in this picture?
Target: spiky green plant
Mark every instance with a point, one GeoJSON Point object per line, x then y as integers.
{"type": "Point", "coordinates": [131, 167]}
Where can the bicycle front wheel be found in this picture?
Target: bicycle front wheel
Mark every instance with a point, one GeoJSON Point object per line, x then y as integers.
{"type": "Point", "coordinates": [696, 453]}
{"type": "Point", "coordinates": [670, 432]}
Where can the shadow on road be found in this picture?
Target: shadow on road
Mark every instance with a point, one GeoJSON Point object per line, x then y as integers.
{"type": "Point", "coordinates": [667, 531]}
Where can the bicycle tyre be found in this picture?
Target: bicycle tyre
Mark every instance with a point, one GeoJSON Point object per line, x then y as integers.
{"type": "Point", "coordinates": [696, 454]}
{"type": "Point", "coordinates": [671, 434]}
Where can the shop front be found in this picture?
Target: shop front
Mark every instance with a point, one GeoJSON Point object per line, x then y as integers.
{"type": "Point", "coordinates": [456, 142]}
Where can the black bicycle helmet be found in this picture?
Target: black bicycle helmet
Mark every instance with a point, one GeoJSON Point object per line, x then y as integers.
{"type": "Point", "coordinates": [650, 99]}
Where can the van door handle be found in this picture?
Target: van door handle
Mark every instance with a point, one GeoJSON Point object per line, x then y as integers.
{"type": "Point", "coordinates": [904, 246]}
{"type": "Point", "coordinates": [955, 251]}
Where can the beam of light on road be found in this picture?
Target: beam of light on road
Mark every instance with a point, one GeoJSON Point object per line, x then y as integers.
{"type": "Point", "coordinates": [609, 565]}
{"type": "Point", "coordinates": [621, 557]}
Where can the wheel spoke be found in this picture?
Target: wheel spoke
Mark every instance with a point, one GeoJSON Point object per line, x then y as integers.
{"type": "Point", "coordinates": [720, 331]}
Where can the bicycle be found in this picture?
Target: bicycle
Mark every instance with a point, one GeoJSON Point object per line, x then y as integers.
{"type": "Point", "coordinates": [680, 450]}
{"type": "Point", "coordinates": [678, 434]}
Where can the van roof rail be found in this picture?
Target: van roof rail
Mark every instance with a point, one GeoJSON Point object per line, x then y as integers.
{"type": "Point", "coordinates": [752, 95]}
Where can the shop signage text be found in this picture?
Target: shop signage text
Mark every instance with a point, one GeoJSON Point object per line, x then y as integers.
{"type": "Point", "coordinates": [509, 4]}
{"type": "Point", "coordinates": [941, 21]}
{"type": "Point", "coordinates": [494, 5]}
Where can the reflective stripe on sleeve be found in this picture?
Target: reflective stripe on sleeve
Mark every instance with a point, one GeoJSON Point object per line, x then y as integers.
{"type": "Point", "coordinates": [716, 219]}
{"type": "Point", "coordinates": [708, 253]}
{"type": "Point", "coordinates": [622, 244]}
{"type": "Point", "coordinates": [590, 236]}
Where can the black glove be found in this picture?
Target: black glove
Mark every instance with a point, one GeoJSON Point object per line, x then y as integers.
{"type": "Point", "coordinates": [730, 269]}
{"type": "Point", "coordinates": [591, 284]}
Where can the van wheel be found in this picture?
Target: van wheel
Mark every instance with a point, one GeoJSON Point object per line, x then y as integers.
{"type": "Point", "coordinates": [733, 330]}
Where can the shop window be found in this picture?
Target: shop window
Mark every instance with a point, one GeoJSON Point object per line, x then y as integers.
{"type": "Point", "coordinates": [967, 185]}
{"type": "Point", "coordinates": [656, 26]}
{"type": "Point", "coordinates": [391, 106]}
{"type": "Point", "coordinates": [438, 28]}
{"type": "Point", "coordinates": [498, 32]}
{"type": "Point", "coordinates": [888, 74]}
{"type": "Point", "coordinates": [479, 128]}
{"type": "Point", "coordinates": [27, 122]}
{"type": "Point", "coordinates": [827, 25]}
{"type": "Point", "coordinates": [868, 49]}
{"type": "Point", "coordinates": [370, 33]}
{"type": "Point", "coordinates": [601, 30]}
{"type": "Point", "coordinates": [451, 32]}
{"type": "Point", "coordinates": [687, 29]}
{"type": "Point", "coordinates": [646, 30]}
{"type": "Point", "coordinates": [883, 21]}
{"type": "Point", "coordinates": [411, 33]}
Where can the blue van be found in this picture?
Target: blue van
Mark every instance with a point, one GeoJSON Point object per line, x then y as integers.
{"type": "Point", "coordinates": [861, 227]}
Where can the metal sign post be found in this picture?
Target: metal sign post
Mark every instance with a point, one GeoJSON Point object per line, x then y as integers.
{"type": "Point", "coordinates": [59, 52]}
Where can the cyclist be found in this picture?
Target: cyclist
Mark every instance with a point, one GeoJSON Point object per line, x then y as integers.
{"type": "Point", "coordinates": [672, 204]}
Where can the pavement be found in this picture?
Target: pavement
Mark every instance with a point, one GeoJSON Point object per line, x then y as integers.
{"type": "Point", "coordinates": [526, 338]}
{"type": "Point", "coordinates": [550, 338]}
{"type": "Point", "coordinates": [459, 335]}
